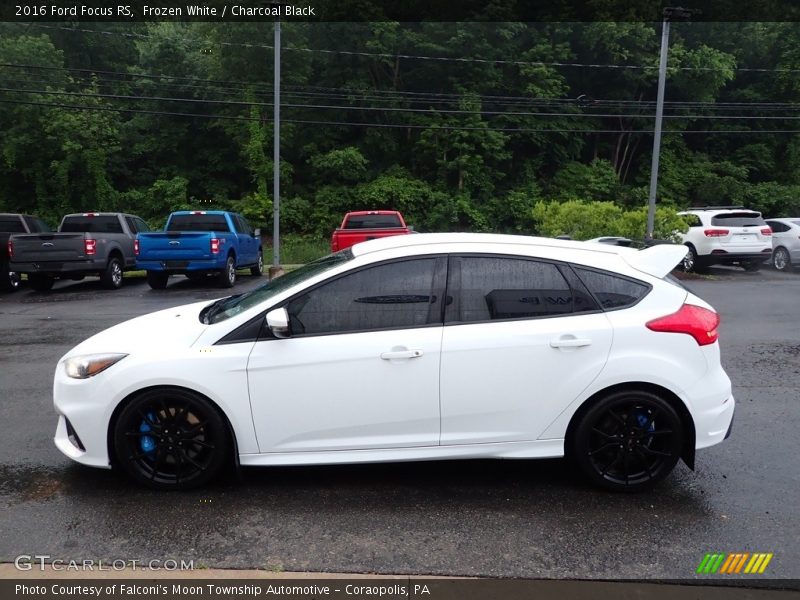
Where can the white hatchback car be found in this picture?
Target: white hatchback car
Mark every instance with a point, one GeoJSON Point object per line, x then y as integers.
{"type": "Point", "coordinates": [425, 347]}
{"type": "Point", "coordinates": [726, 236]}
{"type": "Point", "coordinates": [785, 243]}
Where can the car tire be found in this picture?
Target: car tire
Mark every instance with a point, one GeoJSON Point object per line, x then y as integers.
{"type": "Point", "coordinates": [157, 279]}
{"type": "Point", "coordinates": [258, 269]}
{"type": "Point", "coordinates": [41, 282]}
{"type": "Point", "coordinates": [111, 279]}
{"type": "Point", "coordinates": [781, 259]}
{"type": "Point", "coordinates": [227, 277]}
{"type": "Point", "coordinates": [171, 439]}
{"type": "Point", "coordinates": [692, 263]}
{"type": "Point", "coordinates": [752, 266]}
{"type": "Point", "coordinates": [627, 441]}
{"type": "Point", "coordinates": [10, 279]}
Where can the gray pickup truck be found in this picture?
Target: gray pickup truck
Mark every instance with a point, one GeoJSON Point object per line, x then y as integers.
{"type": "Point", "coordinates": [11, 223]}
{"type": "Point", "coordinates": [85, 244]}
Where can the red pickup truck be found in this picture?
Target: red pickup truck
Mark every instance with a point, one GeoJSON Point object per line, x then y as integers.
{"type": "Point", "coordinates": [362, 225]}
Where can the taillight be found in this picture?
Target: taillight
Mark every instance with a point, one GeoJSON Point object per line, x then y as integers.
{"type": "Point", "coordinates": [136, 247]}
{"type": "Point", "coordinates": [716, 232]}
{"type": "Point", "coordinates": [10, 249]}
{"type": "Point", "coordinates": [89, 247]}
{"type": "Point", "coordinates": [766, 231]}
{"type": "Point", "coordinates": [214, 246]}
{"type": "Point", "coordinates": [698, 322]}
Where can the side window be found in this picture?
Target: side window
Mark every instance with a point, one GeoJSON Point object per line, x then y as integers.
{"type": "Point", "coordinates": [611, 290]}
{"type": "Point", "coordinates": [238, 224]}
{"type": "Point", "coordinates": [778, 227]}
{"type": "Point", "coordinates": [41, 226]}
{"type": "Point", "coordinates": [141, 226]}
{"type": "Point", "coordinates": [392, 295]}
{"type": "Point", "coordinates": [246, 228]}
{"type": "Point", "coordinates": [131, 224]}
{"type": "Point", "coordinates": [491, 288]}
{"type": "Point", "coordinates": [693, 220]}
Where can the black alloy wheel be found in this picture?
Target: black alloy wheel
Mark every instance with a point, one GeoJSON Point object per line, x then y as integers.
{"type": "Point", "coordinates": [171, 439]}
{"type": "Point", "coordinates": [628, 441]}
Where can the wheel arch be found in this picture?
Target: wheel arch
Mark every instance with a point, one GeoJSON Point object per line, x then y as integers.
{"type": "Point", "coordinates": [112, 422]}
{"type": "Point", "coordinates": [688, 451]}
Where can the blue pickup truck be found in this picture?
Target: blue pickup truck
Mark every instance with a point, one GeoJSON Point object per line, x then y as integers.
{"type": "Point", "coordinates": [198, 244]}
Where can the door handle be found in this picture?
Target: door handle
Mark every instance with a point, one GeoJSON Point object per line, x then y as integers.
{"type": "Point", "coordinates": [395, 354]}
{"type": "Point", "coordinates": [570, 342]}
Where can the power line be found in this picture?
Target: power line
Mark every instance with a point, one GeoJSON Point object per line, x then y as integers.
{"type": "Point", "coordinates": [416, 97]}
{"type": "Point", "coordinates": [392, 109]}
{"type": "Point", "coordinates": [395, 125]}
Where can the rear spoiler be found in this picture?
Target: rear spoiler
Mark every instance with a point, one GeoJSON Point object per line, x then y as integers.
{"type": "Point", "coordinates": [657, 260]}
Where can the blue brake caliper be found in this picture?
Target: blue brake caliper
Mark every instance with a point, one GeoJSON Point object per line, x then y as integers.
{"type": "Point", "coordinates": [147, 443]}
{"type": "Point", "coordinates": [642, 419]}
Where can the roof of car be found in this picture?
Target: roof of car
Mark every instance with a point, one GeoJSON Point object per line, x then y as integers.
{"type": "Point", "coordinates": [423, 239]}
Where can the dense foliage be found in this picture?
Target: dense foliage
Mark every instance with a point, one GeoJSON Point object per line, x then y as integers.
{"type": "Point", "coordinates": [462, 126]}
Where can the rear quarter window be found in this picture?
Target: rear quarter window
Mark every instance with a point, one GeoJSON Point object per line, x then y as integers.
{"type": "Point", "coordinates": [99, 224]}
{"type": "Point", "coordinates": [198, 223]}
{"type": "Point", "coordinates": [738, 219]}
{"type": "Point", "coordinates": [612, 291]}
{"type": "Point", "coordinates": [372, 221]}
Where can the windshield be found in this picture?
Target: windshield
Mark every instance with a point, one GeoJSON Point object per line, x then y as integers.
{"type": "Point", "coordinates": [233, 305]}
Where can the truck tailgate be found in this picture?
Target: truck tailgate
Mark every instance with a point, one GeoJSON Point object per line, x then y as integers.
{"type": "Point", "coordinates": [177, 245]}
{"type": "Point", "coordinates": [48, 247]}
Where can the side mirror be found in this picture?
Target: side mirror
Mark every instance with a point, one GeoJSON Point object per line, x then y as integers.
{"type": "Point", "coordinates": [257, 232]}
{"type": "Point", "coordinates": [278, 322]}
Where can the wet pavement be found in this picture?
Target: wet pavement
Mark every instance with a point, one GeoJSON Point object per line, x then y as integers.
{"type": "Point", "coordinates": [492, 518]}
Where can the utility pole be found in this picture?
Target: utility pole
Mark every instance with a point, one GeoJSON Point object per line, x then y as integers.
{"type": "Point", "coordinates": [669, 14]}
{"type": "Point", "coordinates": [275, 270]}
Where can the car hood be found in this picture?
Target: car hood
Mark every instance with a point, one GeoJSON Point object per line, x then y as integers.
{"type": "Point", "coordinates": [177, 327]}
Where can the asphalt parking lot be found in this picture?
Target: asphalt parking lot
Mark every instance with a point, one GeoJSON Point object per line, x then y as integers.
{"type": "Point", "coordinates": [535, 519]}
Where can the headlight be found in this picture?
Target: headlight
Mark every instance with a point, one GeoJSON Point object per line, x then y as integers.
{"type": "Point", "coordinates": [89, 365]}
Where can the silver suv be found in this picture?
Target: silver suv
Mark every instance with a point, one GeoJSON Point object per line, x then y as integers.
{"type": "Point", "coordinates": [726, 235]}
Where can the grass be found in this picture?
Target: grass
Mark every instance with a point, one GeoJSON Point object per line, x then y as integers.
{"type": "Point", "coordinates": [297, 250]}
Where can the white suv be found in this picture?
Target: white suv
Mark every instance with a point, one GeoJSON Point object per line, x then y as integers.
{"type": "Point", "coordinates": [726, 235]}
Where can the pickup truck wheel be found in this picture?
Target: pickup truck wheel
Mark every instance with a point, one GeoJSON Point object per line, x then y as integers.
{"type": "Point", "coordinates": [227, 276]}
{"type": "Point", "coordinates": [111, 279]}
{"type": "Point", "coordinates": [41, 282]}
{"type": "Point", "coordinates": [157, 279]}
{"type": "Point", "coordinates": [258, 269]}
{"type": "Point", "coordinates": [10, 279]}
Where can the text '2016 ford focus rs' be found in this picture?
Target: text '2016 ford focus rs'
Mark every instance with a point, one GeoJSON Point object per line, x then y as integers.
{"type": "Point", "coordinates": [426, 347]}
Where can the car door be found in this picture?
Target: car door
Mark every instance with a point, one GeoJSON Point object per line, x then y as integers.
{"type": "Point", "coordinates": [522, 339]}
{"type": "Point", "coordinates": [360, 369]}
{"type": "Point", "coordinates": [247, 243]}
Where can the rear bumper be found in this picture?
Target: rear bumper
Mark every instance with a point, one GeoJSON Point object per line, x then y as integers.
{"type": "Point", "coordinates": [180, 266]}
{"type": "Point", "coordinates": [720, 257]}
{"type": "Point", "coordinates": [56, 267]}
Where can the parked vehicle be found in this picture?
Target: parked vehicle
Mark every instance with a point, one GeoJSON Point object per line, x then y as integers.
{"type": "Point", "coordinates": [199, 243]}
{"type": "Point", "coordinates": [785, 242]}
{"type": "Point", "coordinates": [363, 225]}
{"type": "Point", "coordinates": [726, 235]}
{"type": "Point", "coordinates": [93, 243]}
{"type": "Point", "coordinates": [439, 346]}
{"type": "Point", "coordinates": [11, 223]}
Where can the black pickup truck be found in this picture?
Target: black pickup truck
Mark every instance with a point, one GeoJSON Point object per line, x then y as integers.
{"type": "Point", "coordinates": [85, 244]}
{"type": "Point", "coordinates": [15, 223]}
